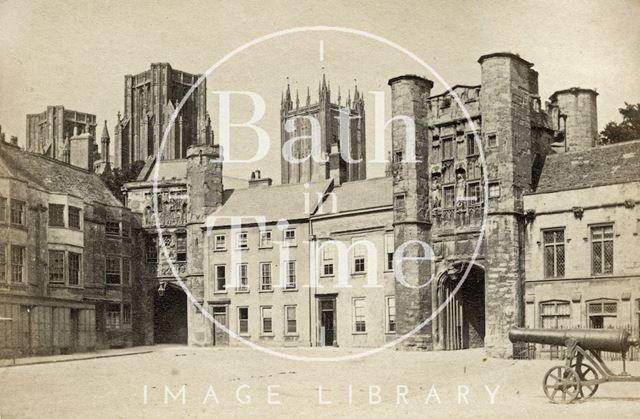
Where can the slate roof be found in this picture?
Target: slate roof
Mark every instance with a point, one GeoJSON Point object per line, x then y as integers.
{"type": "Point", "coordinates": [272, 202]}
{"type": "Point", "coordinates": [362, 194]}
{"type": "Point", "coordinates": [605, 165]}
{"type": "Point", "coordinates": [288, 201]}
{"type": "Point", "coordinates": [55, 176]}
{"type": "Point", "coordinates": [177, 169]}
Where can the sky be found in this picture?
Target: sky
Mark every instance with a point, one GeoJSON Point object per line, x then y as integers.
{"type": "Point", "coordinates": [76, 53]}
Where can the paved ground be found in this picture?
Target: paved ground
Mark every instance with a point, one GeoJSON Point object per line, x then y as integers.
{"type": "Point", "coordinates": [115, 387]}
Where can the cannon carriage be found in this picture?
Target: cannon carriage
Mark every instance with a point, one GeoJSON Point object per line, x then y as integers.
{"type": "Point", "coordinates": [583, 370]}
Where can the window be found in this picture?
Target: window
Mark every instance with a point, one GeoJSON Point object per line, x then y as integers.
{"type": "Point", "coordinates": [113, 316]}
{"type": "Point", "coordinates": [112, 228]}
{"type": "Point", "coordinates": [220, 242]}
{"type": "Point", "coordinates": [74, 268]}
{"type": "Point", "coordinates": [389, 250]}
{"type": "Point", "coordinates": [290, 275]}
{"type": "Point", "coordinates": [492, 140]}
{"type": "Point", "coordinates": [112, 270]}
{"type": "Point", "coordinates": [391, 314]}
{"type": "Point", "coordinates": [494, 190]}
{"type": "Point", "coordinates": [602, 314]}
{"type": "Point", "coordinates": [265, 277]}
{"type": "Point", "coordinates": [397, 157]}
{"type": "Point", "coordinates": [474, 192]}
{"type": "Point", "coordinates": [74, 217]}
{"type": "Point", "coordinates": [17, 263]}
{"type": "Point", "coordinates": [126, 271]}
{"type": "Point", "coordinates": [3, 262]}
{"type": "Point", "coordinates": [327, 259]}
{"type": "Point", "coordinates": [449, 196]}
{"type": "Point", "coordinates": [243, 320]}
{"type": "Point", "coordinates": [399, 202]}
{"type": "Point", "coordinates": [359, 264]}
{"type": "Point", "coordinates": [553, 253]}
{"type": "Point", "coordinates": [242, 240]}
{"type": "Point", "coordinates": [555, 315]}
{"type": "Point", "coordinates": [243, 277]}
{"type": "Point", "coordinates": [265, 239]}
{"type": "Point", "coordinates": [447, 149]}
{"type": "Point", "coordinates": [3, 209]}
{"type": "Point", "coordinates": [126, 229]}
{"type": "Point", "coordinates": [472, 149]}
{"type": "Point", "coordinates": [267, 320]}
{"type": "Point", "coordinates": [290, 237]}
{"type": "Point", "coordinates": [181, 247]}
{"type": "Point", "coordinates": [221, 277]}
{"type": "Point", "coordinates": [290, 320]}
{"type": "Point", "coordinates": [56, 266]}
{"type": "Point", "coordinates": [17, 212]}
{"type": "Point", "coordinates": [359, 319]}
{"type": "Point", "coordinates": [56, 215]}
{"type": "Point", "coordinates": [126, 314]}
{"type": "Point", "coordinates": [152, 249]}
{"type": "Point", "coordinates": [602, 250]}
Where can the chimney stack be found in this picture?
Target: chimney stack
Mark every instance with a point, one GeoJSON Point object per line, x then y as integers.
{"type": "Point", "coordinates": [258, 181]}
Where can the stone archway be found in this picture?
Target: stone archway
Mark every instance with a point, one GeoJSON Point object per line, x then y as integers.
{"type": "Point", "coordinates": [461, 324]}
{"type": "Point", "coordinates": [170, 315]}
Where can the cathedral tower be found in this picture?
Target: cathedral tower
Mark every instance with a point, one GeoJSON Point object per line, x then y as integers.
{"type": "Point", "coordinates": [150, 98]}
{"type": "Point", "coordinates": [328, 115]}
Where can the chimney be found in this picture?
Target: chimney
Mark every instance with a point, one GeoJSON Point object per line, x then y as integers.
{"type": "Point", "coordinates": [257, 180]}
{"type": "Point", "coordinates": [81, 151]}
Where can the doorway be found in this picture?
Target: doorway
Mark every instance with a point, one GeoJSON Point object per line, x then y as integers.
{"type": "Point", "coordinates": [170, 316]}
{"type": "Point", "coordinates": [327, 321]}
{"type": "Point", "coordinates": [461, 325]}
{"type": "Point", "coordinates": [220, 336]}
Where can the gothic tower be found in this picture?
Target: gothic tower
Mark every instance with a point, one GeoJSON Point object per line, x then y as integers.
{"type": "Point", "coordinates": [409, 95]}
{"type": "Point", "coordinates": [295, 122]}
{"type": "Point", "coordinates": [150, 99]}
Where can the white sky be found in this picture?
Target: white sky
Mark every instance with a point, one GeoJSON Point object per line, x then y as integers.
{"type": "Point", "coordinates": [76, 53]}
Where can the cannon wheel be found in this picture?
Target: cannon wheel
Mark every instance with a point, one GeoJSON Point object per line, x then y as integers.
{"type": "Point", "coordinates": [561, 384]}
{"type": "Point", "coordinates": [586, 373]}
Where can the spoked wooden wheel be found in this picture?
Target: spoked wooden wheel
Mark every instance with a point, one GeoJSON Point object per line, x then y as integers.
{"type": "Point", "coordinates": [587, 376]}
{"type": "Point", "coordinates": [561, 384]}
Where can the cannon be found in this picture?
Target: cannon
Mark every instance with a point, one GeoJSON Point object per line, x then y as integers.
{"type": "Point", "coordinates": [583, 370]}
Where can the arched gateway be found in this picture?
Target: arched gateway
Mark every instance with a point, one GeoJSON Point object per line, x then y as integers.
{"type": "Point", "coordinates": [461, 324]}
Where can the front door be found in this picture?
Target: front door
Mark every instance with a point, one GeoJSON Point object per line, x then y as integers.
{"type": "Point", "coordinates": [327, 316]}
{"type": "Point", "coordinates": [220, 337]}
{"type": "Point", "coordinates": [75, 328]}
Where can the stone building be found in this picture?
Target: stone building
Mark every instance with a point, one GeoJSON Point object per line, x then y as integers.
{"type": "Point", "coordinates": [48, 132]}
{"type": "Point", "coordinates": [150, 98]}
{"type": "Point", "coordinates": [69, 255]}
{"type": "Point", "coordinates": [501, 152]}
{"type": "Point", "coordinates": [581, 240]}
{"type": "Point", "coordinates": [300, 121]}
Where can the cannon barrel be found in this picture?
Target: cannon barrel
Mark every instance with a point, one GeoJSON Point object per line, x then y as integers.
{"type": "Point", "coordinates": [611, 340]}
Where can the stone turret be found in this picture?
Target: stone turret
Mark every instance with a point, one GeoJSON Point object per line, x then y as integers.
{"type": "Point", "coordinates": [409, 96]}
{"type": "Point", "coordinates": [577, 118]}
{"type": "Point", "coordinates": [204, 180]}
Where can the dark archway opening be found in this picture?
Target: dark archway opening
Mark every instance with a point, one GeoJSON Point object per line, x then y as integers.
{"type": "Point", "coordinates": [462, 322]}
{"type": "Point", "coordinates": [170, 316]}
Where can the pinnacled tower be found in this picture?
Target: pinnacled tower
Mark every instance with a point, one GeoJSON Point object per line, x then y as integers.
{"type": "Point", "coordinates": [302, 116]}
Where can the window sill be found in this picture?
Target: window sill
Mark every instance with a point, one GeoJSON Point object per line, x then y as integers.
{"type": "Point", "coordinates": [267, 335]}
{"type": "Point", "coordinates": [220, 291]}
{"type": "Point", "coordinates": [266, 291]}
{"type": "Point", "coordinates": [358, 273]}
{"type": "Point", "coordinates": [358, 333]}
{"type": "Point", "coordinates": [291, 335]}
{"type": "Point", "coordinates": [390, 333]}
{"type": "Point", "coordinates": [242, 291]}
{"type": "Point", "coordinates": [265, 247]}
{"type": "Point", "coordinates": [220, 250]}
{"type": "Point", "coordinates": [290, 289]}
{"type": "Point", "coordinates": [244, 335]}
{"type": "Point", "coordinates": [327, 276]}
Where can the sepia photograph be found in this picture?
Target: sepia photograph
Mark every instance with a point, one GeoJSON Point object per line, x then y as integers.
{"type": "Point", "coordinates": [366, 209]}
